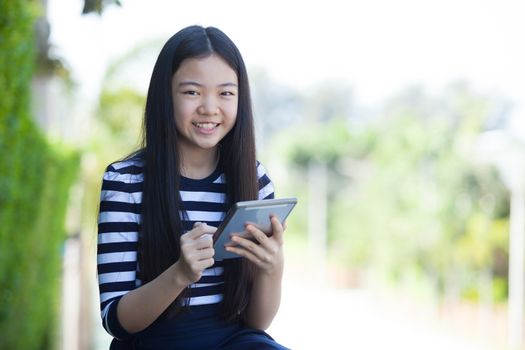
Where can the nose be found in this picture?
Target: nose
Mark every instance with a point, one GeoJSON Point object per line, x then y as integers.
{"type": "Point", "coordinates": [208, 106]}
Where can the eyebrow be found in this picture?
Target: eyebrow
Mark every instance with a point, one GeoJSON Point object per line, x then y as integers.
{"type": "Point", "coordinates": [194, 83]}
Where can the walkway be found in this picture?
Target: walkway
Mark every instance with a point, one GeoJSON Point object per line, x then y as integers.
{"type": "Point", "coordinates": [353, 319]}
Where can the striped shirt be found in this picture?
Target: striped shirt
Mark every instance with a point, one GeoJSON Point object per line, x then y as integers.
{"type": "Point", "coordinates": [119, 224]}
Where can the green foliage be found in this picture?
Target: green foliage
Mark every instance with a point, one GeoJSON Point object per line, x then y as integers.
{"type": "Point", "coordinates": [405, 201]}
{"type": "Point", "coordinates": [121, 113]}
{"type": "Point", "coordinates": [118, 119]}
{"type": "Point", "coordinates": [115, 130]}
{"type": "Point", "coordinates": [34, 183]}
{"type": "Point", "coordinates": [326, 144]}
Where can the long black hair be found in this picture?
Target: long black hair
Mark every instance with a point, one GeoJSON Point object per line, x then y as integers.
{"type": "Point", "coordinates": [159, 242]}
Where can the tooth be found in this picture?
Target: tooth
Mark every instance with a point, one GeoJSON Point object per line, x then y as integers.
{"type": "Point", "coordinates": [205, 125]}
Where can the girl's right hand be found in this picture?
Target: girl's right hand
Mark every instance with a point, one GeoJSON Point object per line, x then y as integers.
{"type": "Point", "coordinates": [196, 253]}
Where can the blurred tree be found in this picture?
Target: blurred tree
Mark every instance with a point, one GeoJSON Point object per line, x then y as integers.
{"type": "Point", "coordinates": [117, 123]}
{"type": "Point", "coordinates": [98, 6]}
{"type": "Point", "coordinates": [47, 63]}
{"type": "Point", "coordinates": [35, 177]}
{"type": "Point", "coordinates": [120, 111]}
{"type": "Point", "coordinates": [405, 201]}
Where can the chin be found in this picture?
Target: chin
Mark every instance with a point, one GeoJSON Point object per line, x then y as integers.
{"type": "Point", "coordinates": [209, 146]}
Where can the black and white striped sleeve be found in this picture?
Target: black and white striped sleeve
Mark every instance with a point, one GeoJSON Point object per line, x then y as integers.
{"type": "Point", "coordinates": [118, 227]}
{"type": "Point", "coordinates": [266, 189]}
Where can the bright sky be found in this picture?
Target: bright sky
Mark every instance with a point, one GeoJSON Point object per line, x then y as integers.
{"type": "Point", "coordinates": [376, 46]}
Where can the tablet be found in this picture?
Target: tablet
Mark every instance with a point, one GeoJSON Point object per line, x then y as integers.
{"type": "Point", "coordinates": [256, 212]}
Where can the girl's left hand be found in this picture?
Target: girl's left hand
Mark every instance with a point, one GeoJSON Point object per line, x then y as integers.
{"type": "Point", "coordinates": [265, 252]}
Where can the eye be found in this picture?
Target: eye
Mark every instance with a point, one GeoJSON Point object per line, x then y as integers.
{"type": "Point", "coordinates": [227, 93]}
{"type": "Point", "coordinates": [190, 92]}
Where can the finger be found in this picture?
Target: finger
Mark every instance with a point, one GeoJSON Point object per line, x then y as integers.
{"type": "Point", "coordinates": [200, 230]}
{"type": "Point", "coordinates": [230, 244]}
{"type": "Point", "coordinates": [199, 266]}
{"type": "Point", "coordinates": [205, 263]}
{"type": "Point", "coordinates": [195, 256]}
{"type": "Point", "coordinates": [205, 258]}
{"type": "Point", "coordinates": [191, 233]}
{"type": "Point", "coordinates": [248, 245]}
{"type": "Point", "coordinates": [269, 246]}
{"type": "Point", "coordinates": [204, 254]}
{"type": "Point", "coordinates": [277, 229]}
{"type": "Point", "coordinates": [245, 253]}
{"type": "Point", "coordinates": [204, 241]}
{"type": "Point", "coordinates": [258, 235]}
{"type": "Point", "coordinates": [189, 245]}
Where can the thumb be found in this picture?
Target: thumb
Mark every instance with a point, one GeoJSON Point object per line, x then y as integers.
{"type": "Point", "coordinates": [277, 228]}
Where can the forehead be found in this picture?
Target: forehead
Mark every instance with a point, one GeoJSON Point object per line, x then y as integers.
{"type": "Point", "coordinates": [209, 70]}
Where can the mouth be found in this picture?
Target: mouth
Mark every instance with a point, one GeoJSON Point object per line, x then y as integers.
{"type": "Point", "coordinates": [206, 126]}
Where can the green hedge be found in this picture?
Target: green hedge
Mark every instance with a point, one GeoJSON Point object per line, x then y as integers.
{"type": "Point", "coordinates": [35, 177]}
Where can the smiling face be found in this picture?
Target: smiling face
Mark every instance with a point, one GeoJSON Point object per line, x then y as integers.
{"type": "Point", "coordinates": [205, 97]}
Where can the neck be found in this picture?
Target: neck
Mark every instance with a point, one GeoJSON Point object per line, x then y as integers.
{"type": "Point", "coordinates": [198, 164]}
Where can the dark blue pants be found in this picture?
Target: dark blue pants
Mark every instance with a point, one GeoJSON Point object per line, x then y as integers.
{"type": "Point", "coordinates": [199, 328]}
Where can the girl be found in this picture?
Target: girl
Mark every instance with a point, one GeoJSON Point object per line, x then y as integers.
{"type": "Point", "coordinates": [160, 287]}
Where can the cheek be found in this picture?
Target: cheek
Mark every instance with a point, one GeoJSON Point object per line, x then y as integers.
{"type": "Point", "coordinates": [231, 117]}
{"type": "Point", "coordinates": [231, 112]}
{"type": "Point", "coordinates": [182, 112]}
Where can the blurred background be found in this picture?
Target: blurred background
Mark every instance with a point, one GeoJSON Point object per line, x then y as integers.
{"type": "Point", "coordinates": [399, 125]}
